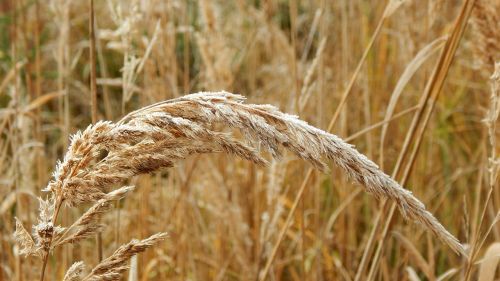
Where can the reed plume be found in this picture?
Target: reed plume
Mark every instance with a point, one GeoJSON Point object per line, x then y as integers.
{"type": "Point", "coordinates": [156, 136]}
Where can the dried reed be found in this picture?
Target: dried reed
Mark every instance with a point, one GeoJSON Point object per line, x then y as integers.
{"type": "Point", "coordinates": [158, 135]}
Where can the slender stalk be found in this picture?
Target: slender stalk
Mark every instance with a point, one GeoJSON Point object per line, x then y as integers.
{"type": "Point", "coordinates": [491, 123]}
{"type": "Point", "coordinates": [298, 197]}
{"type": "Point", "coordinates": [38, 91]}
{"type": "Point", "coordinates": [59, 202]}
{"type": "Point", "coordinates": [93, 88]}
{"type": "Point", "coordinates": [104, 73]}
{"type": "Point", "coordinates": [93, 95]}
{"type": "Point", "coordinates": [185, 53]}
{"type": "Point", "coordinates": [14, 130]}
{"type": "Point", "coordinates": [371, 240]}
{"type": "Point", "coordinates": [347, 91]}
{"type": "Point", "coordinates": [284, 229]}
{"type": "Point", "coordinates": [433, 90]}
{"type": "Point", "coordinates": [293, 34]}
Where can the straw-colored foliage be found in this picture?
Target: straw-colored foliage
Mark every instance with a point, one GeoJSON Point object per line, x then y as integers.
{"type": "Point", "coordinates": [361, 141]}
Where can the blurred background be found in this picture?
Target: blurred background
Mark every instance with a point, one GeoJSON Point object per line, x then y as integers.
{"type": "Point", "coordinates": [370, 61]}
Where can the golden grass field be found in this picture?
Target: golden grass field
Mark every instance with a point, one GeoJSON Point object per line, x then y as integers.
{"type": "Point", "coordinates": [214, 186]}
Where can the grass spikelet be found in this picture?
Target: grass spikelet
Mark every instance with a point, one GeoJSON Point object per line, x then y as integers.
{"type": "Point", "coordinates": [74, 272]}
{"type": "Point", "coordinates": [24, 239]}
{"type": "Point", "coordinates": [88, 224]}
{"type": "Point", "coordinates": [113, 267]}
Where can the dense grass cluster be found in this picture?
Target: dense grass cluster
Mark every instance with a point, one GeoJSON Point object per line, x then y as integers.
{"type": "Point", "coordinates": [215, 186]}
